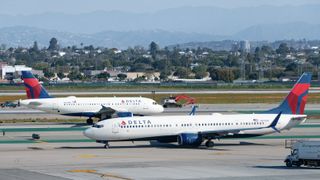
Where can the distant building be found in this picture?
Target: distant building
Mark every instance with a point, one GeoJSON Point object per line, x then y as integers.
{"type": "Point", "coordinates": [148, 76]}
{"type": "Point", "coordinates": [245, 46]}
{"type": "Point", "coordinates": [93, 72]}
{"type": "Point", "coordinates": [12, 72]}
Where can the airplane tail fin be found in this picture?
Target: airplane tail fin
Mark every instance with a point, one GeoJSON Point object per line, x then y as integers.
{"type": "Point", "coordinates": [296, 100]}
{"type": "Point", "coordinates": [34, 89]}
{"type": "Point", "coordinates": [193, 110]}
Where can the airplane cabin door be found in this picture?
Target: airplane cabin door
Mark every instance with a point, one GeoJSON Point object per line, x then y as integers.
{"type": "Point", "coordinates": [115, 128]}
{"type": "Point", "coordinates": [55, 107]}
{"type": "Point", "coordinates": [145, 106]}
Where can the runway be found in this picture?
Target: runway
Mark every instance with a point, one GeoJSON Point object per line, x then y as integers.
{"type": "Point", "coordinates": [23, 113]}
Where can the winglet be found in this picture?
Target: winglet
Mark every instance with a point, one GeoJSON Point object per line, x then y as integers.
{"type": "Point", "coordinates": [275, 122]}
{"type": "Point", "coordinates": [193, 110]}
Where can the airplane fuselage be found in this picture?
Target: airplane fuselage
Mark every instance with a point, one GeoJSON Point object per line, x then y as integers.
{"type": "Point", "coordinates": [156, 128]}
{"type": "Point", "coordinates": [75, 106]}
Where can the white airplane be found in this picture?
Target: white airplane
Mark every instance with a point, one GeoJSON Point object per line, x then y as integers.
{"type": "Point", "coordinates": [192, 130]}
{"type": "Point", "coordinates": [101, 107]}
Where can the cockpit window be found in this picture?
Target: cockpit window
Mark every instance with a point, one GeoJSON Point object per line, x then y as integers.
{"type": "Point", "coordinates": [97, 125]}
{"type": "Point", "coordinates": [154, 103]}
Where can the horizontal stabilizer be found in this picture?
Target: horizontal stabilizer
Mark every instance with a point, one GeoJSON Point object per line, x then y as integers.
{"type": "Point", "coordinates": [275, 122]}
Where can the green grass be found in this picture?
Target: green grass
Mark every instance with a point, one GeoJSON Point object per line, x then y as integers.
{"type": "Point", "coordinates": [140, 86]}
{"type": "Point", "coordinates": [225, 98]}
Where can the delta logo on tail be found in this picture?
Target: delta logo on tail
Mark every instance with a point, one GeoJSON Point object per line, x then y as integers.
{"type": "Point", "coordinates": [33, 87]}
{"type": "Point", "coordinates": [296, 100]}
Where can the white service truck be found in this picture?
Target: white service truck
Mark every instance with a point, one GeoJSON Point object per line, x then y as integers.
{"type": "Point", "coordinates": [305, 153]}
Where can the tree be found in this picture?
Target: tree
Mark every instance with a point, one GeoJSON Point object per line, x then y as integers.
{"type": "Point", "coordinates": [103, 76]}
{"type": "Point", "coordinates": [61, 75]}
{"type": "Point", "coordinates": [200, 71]}
{"type": "Point", "coordinates": [75, 75]}
{"type": "Point", "coordinates": [164, 74]}
{"type": "Point", "coordinates": [106, 64]}
{"type": "Point", "coordinates": [154, 48]}
{"type": "Point", "coordinates": [122, 76]}
{"type": "Point", "coordinates": [35, 47]}
{"type": "Point", "coordinates": [226, 74]}
{"type": "Point", "coordinates": [291, 67]}
{"type": "Point", "coordinates": [139, 79]}
{"type": "Point", "coordinates": [47, 73]}
{"type": "Point", "coordinates": [53, 46]}
{"type": "Point", "coordinates": [182, 72]}
{"type": "Point", "coordinates": [283, 49]}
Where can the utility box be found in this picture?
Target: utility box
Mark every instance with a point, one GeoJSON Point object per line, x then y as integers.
{"type": "Point", "coordinates": [35, 136]}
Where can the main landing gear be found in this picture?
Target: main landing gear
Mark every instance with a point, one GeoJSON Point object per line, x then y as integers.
{"type": "Point", "coordinates": [106, 145]}
{"type": "Point", "coordinates": [89, 121]}
{"type": "Point", "coordinates": [209, 143]}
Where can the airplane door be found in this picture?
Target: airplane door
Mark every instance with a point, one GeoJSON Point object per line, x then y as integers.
{"type": "Point", "coordinates": [55, 107]}
{"type": "Point", "coordinates": [145, 106]}
{"type": "Point", "coordinates": [115, 128]}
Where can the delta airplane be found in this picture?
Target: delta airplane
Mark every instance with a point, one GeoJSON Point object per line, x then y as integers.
{"type": "Point", "coordinates": [193, 130]}
{"type": "Point", "coordinates": [101, 107]}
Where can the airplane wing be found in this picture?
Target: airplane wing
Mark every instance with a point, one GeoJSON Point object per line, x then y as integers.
{"type": "Point", "coordinates": [107, 112]}
{"type": "Point", "coordinates": [219, 133]}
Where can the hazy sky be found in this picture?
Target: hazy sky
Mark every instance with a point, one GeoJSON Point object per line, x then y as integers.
{"type": "Point", "coordinates": [14, 7]}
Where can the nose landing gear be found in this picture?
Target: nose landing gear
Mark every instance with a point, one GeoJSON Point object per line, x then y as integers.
{"type": "Point", "coordinates": [89, 121]}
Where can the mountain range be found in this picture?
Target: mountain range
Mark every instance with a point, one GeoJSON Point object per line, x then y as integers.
{"type": "Point", "coordinates": [171, 26]}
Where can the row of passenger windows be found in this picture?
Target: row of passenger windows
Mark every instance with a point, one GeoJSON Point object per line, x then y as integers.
{"type": "Point", "coordinates": [146, 126]}
{"type": "Point", "coordinates": [105, 104]}
{"type": "Point", "coordinates": [224, 124]}
{"type": "Point", "coordinates": [189, 125]}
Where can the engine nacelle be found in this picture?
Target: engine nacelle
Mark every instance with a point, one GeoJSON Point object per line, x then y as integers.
{"type": "Point", "coordinates": [190, 139]}
{"type": "Point", "coordinates": [125, 114]}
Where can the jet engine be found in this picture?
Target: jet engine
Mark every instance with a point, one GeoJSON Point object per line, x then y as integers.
{"type": "Point", "coordinates": [190, 139]}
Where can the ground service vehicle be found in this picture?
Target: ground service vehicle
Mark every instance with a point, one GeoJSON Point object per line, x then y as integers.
{"type": "Point", "coordinates": [305, 153]}
{"type": "Point", "coordinates": [8, 104]}
{"type": "Point", "coordinates": [176, 101]}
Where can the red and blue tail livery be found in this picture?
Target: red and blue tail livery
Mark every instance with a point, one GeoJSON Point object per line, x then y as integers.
{"type": "Point", "coordinates": [33, 87]}
{"type": "Point", "coordinates": [296, 100]}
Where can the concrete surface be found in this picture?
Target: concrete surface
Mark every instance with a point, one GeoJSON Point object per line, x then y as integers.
{"type": "Point", "coordinates": [59, 154]}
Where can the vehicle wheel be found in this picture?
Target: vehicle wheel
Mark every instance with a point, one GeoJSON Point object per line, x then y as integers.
{"type": "Point", "coordinates": [288, 164]}
{"type": "Point", "coordinates": [106, 146]}
{"type": "Point", "coordinates": [209, 144]}
{"type": "Point", "coordinates": [89, 121]}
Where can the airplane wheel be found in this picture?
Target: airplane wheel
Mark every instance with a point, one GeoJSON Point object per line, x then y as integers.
{"type": "Point", "coordinates": [209, 144]}
{"type": "Point", "coordinates": [89, 121]}
{"type": "Point", "coordinates": [106, 146]}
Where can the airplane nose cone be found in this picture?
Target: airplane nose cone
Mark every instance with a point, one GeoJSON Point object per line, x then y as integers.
{"type": "Point", "coordinates": [89, 133]}
{"type": "Point", "coordinates": [160, 109]}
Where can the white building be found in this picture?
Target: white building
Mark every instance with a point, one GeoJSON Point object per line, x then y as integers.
{"type": "Point", "coordinates": [11, 71]}
{"type": "Point", "coordinates": [245, 46]}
